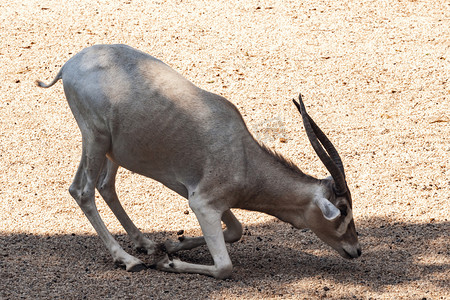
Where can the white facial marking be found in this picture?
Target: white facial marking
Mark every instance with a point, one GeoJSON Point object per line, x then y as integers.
{"type": "Point", "coordinates": [343, 227]}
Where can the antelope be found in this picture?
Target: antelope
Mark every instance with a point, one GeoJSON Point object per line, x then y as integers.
{"type": "Point", "coordinates": [135, 111]}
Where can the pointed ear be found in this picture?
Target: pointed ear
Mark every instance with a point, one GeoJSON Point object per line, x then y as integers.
{"type": "Point", "coordinates": [329, 211]}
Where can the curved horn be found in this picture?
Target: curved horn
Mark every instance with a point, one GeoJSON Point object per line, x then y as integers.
{"type": "Point", "coordinates": [330, 158]}
{"type": "Point", "coordinates": [329, 147]}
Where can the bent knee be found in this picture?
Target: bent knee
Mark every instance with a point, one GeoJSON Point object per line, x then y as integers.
{"type": "Point", "coordinates": [74, 191]}
{"type": "Point", "coordinates": [232, 237]}
{"type": "Point", "coordinates": [234, 234]}
{"type": "Point", "coordinates": [83, 197]}
{"type": "Point", "coordinates": [224, 271]}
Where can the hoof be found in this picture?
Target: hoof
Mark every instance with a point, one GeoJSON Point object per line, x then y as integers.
{"type": "Point", "coordinates": [137, 268]}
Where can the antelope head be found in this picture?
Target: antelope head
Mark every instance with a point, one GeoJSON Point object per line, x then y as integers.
{"type": "Point", "coordinates": [330, 214]}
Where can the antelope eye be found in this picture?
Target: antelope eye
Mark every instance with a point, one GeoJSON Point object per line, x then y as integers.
{"type": "Point", "coordinates": [343, 211]}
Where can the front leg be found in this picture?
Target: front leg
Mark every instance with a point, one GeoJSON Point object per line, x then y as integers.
{"type": "Point", "coordinates": [209, 219]}
{"type": "Point", "coordinates": [232, 233]}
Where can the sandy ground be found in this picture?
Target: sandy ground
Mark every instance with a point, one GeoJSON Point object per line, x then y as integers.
{"type": "Point", "coordinates": [374, 75]}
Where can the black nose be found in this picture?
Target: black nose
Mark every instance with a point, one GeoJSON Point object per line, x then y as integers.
{"type": "Point", "coordinates": [359, 252]}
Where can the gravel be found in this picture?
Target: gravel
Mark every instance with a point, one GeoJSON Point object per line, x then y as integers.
{"type": "Point", "coordinates": [374, 75]}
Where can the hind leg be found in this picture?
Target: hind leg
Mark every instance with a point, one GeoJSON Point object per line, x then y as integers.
{"type": "Point", "coordinates": [83, 191]}
{"type": "Point", "coordinates": [107, 189]}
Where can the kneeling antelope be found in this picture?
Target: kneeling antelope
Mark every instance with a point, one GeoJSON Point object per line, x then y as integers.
{"type": "Point", "coordinates": [136, 112]}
